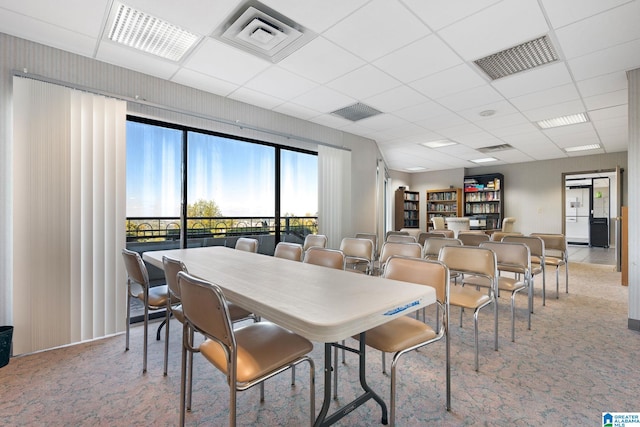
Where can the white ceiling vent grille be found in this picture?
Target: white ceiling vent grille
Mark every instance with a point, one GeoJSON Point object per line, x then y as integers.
{"type": "Point", "coordinates": [357, 111]}
{"type": "Point", "coordinates": [495, 148]}
{"type": "Point", "coordinates": [518, 58]}
{"type": "Point", "coordinates": [261, 31]}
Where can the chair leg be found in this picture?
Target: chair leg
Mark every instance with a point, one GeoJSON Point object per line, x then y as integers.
{"type": "Point", "coordinates": [190, 361]}
{"type": "Point", "coordinates": [392, 401]}
{"type": "Point", "coordinates": [566, 276]}
{"type": "Point", "coordinates": [335, 373]}
{"type": "Point", "coordinates": [164, 322]}
{"type": "Point", "coordinates": [126, 345]}
{"type": "Point", "coordinates": [166, 339]}
{"type": "Point", "coordinates": [557, 282]}
{"type": "Point", "coordinates": [544, 285]}
{"type": "Point", "coordinates": [475, 329]}
{"type": "Point", "coordinates": [513, 317]}
{"type": "Point", "coordinates": [183, 375]}
{"type": "Point", "coordinates": [384, 359]}
{"type": "Point", "coordinates": [146, 331]}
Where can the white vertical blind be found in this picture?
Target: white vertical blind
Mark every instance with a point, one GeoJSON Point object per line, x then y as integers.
{"type": "Point", "coordinates": [69, 215]}
{"type": "Point", "coordinates": [334, 194]}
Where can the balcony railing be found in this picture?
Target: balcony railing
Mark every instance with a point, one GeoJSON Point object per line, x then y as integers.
{"type": "Point", "coordinates": [157, 229]}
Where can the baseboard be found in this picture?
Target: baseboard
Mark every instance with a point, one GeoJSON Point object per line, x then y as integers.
{"type": "Point", "coordinates": [634, 324]}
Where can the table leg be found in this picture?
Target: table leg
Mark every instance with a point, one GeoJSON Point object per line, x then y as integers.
{"type": "Point", "coordinates": [323, 419]}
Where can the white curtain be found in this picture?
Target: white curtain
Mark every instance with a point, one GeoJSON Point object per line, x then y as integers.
{"type": "Point", "coordinates": [69, 213]}
{"type": "Point", "coordinates": [334, 194]}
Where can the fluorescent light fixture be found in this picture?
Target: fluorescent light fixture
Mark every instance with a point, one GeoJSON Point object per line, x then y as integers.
{"type": "Point", "coordinates": [485, 160]}
{"type": "Point", "coordinates": [416, 169]}
{"type": "Point", "coordinates": [149, 34]}
{"type": "Point", "coordinates": [438, 144]}
{"type": "Point", "coordinates": [563, 121]}
{"type": "Point", "coordinates": [582, 148]}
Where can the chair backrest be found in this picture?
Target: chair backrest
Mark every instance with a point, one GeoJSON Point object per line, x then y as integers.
{"type": "Point", "coordinates": [535, 244]}
{"type": "Point", "coordinates": [497, 236]}
{"type": "Point", "coordinates": [401, 239]}
{"type": "Point", "coordinates": [472, 239]}
{"type": "Point", "coordinates": [513, 257]}
{"type": "Point", "coordinates": [432, 246]}
{"type": "Point", "coordinates": [395, 233]}
{"type": "Point", "coordinates": [171, 269]}
{"type": "Point", "coordinates": [292, 251]}
{"type": "Point", "coordinates": [420, 271]}
{"type": "Point", "coordinates": [438, 223]}
{"type": "Point", "coordinates": [247, 244]}
{"type": "Point", "coordinates": [507, 223]}
{"type": "Point", "coordinates": [353, 247]}
{"type": "Point", "coordinates": [555, 245]}
{"type": "Point", "coordinates": [325, 257]}
{"type": "Point", "coordinates": [389, 249]}
{"type": "Point", "coordinates": [371, 236]}
{"type": "Point", "coordinates": [205, 308]}
{"type": "Point", "coordinates": [472, 260]}
{"type": "Point", "coordinates": [314, 240]}
{"type": "Point", "coordinates": [425, 235]}
{"type": "Point", "coordinates": [136, 270]}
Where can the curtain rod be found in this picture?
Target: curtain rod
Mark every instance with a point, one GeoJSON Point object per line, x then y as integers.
{"type": "Point", "coordinates": [143, 102]}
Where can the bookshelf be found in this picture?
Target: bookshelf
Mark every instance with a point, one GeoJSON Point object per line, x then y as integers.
{"type": "Point", "coordinates": [483, 200]}
{"type": "Point", "coordinates": [444, 203]}
{"type": "Point", "coordinates": [407, 209]}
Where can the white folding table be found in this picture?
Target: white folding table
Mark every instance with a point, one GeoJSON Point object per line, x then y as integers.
{"type": "Point", "coordinates": [322, 304]}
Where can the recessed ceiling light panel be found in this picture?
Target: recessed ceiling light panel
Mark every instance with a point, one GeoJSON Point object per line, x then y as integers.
{"type": "Point", "coordinates": [438, 144]}
{"type": "Point", "coordinates": [582, 148]}
{"type": "Point", "coordinates": [519, 58]}
{"type": "Point", "coordinates": [563, 121]}
{"type": "Point", "coordinates": [485, 160]}
{"type": "Point", "coordinates": [144, 32]}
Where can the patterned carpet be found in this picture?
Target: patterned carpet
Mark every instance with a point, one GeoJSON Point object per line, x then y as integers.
{"type": "Point", "coordinates": [578, 360]}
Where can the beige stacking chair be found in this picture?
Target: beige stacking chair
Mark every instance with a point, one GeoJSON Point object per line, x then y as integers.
{"type": "Point", "coordinates": [292, 251]}
{"type": "Point", "coordinates": [358, 254]}
{"type": "Point", "coordinates": [138, 287]}
{"type": "Point", "coordinates": [425, 235]}
{"type": "Point", "coordinates": [405, 334]}
{"type": "Point", "coordinates": [245, 360]}
{"type": "Point", "coordinates": [432, 246]}
{"type": "Point", "coordinates": [314, 240]}
{"type": "Point", "coordinates": [438, 223]}
{"type": "Point", "coordinates": [472, 238]}
{"type": "Point", "coordinates": [507, 224]}
{"type": "Point", "coordinates": [247, 244]}
{"type": "Point", "coordinates": [497, 236]}
{"type": "Point", "coordinates": [537, 249]}
{"type": "Point", "coordinates": [401, 239]}
{"type": "Point", "coordinates": [473, 261]}
{"type": "Point", "coordinates": [395, 233]}
{"type": "Point", "coordinates": [389, 249]}
{"type": "Point", "coordinates": [556, 255]}
{"type": "Point", "coordinates": [374, 238]}
{"type": "Point", "coordinates": [512, 258]}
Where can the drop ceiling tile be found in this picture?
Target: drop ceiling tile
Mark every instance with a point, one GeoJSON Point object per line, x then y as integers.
{"type": "Point", "coordinates": [557, 110]}
{"type": "Point", "coordinates": [294, 110]}
{"type": "Point", "coordinates": [47, 34]}
{"type": "Point", "coordinates": [396, 99]}
{"type": "Point", "coordinates": [578, 138]}
{"type": "Point", "coordinates": [610, 28]}
{"type": "Point", "coordinates": [457, 131]}
{"type": "Point", "coordinates": [620, 111]}
{"type": "Point", "coordinates": [321, 61]}
{"type": "Point", "coordinates": [62, 16]}
{"type": "Point", "coordinates": [137, 61]}
{"type": "Point", "coordinates": [203, 82]}
{"type": "Point", "coordinates": [518, 21]}
{"type": "Point", "coordinates": [238, 67]}
{"type": "Point", "coordinates": [523, 128]}
{"type": "Point", "coordinates": [377, 29]}
{"type": "Point", "coordinates": [606, 100]}
{"type": "Point", "coordinates": [569, 130]}
{"type": "Point", "coordinates": [419, 59]}
{"type": "Point", "coordinates": [254, 97]}
{"type": "Point", "coordinates": [536, 79]}
{"type": "Point", "coordinates": [565, 12]}
{"type": "Point", "coordinates": [440, 13]}
{"type": "Point", "coordinates": [382, 122]}
{"type": "Point", "coordinates": [616, 58]}
{"type": "Point", "coordinates": [546, 97]}
{"type": "Point", "coordinates": [422, 111]}
{"type": "Point", "coordinates": [603, 84]}
{"type": "Point", "coordinates": [478, 140]}
{"type": "Point", "coordinates": [448, 82]}
{"type": "Point", "coordinates": [323, 100]}
{"type": "Point", "coordinates": [403, 132]}
{"type": "Point", "coordinates": [471, 98]}
{"type": "Point", "coordinates": [280, 83]}
{"type": "Point", "coordinates": [442, 121]}
{"type": "Point", "coordinates": [512, 156]}
{"type": "Point", "coordinates": [364, 82]}
{"type": "Point", "coordinates": [501, 108]}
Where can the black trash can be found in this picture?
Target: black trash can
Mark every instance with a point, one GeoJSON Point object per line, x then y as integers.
{"type": "Point", "coordinates": [6, 335]}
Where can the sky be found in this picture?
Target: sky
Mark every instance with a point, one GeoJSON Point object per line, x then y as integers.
{"type": "Point", "coordinates": [237, 175]}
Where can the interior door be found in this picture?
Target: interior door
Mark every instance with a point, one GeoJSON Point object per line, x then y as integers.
{"type": "Point", "coordinates": [577, 213]}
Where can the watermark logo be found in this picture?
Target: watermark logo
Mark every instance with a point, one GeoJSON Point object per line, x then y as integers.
{"type": "Point", "coordinates": [621, 419]}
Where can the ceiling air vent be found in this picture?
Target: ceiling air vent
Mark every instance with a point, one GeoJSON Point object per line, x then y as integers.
{"type": "Point", "coordinates": [519, 58]}
{"type": "Point", "coordinates": [357, 111]}
{"type": "Point", "coordinates": [495, 148]}
{"type": "Point", "coordinates": [261, 31]}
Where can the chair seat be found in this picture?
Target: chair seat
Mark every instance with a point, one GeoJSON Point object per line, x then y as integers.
{"type": "Point", "coordinates": [468, 298]}
{"type": "Point", "coordinates": [398, 334]}
{"type": "Point", "coordinates": [553, 261]}
{"type": "Point", "coordinates": [178, 313]}
{"type": "Point", "coordinates": [158, 296]}
{"type": "Point", "coordinates": [510, 284]}
{"type": "Point", "coordinates": [262, 348]}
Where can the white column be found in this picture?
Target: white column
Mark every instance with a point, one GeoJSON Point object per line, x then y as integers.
{"type": "Point", "coordinates": [633, 161]}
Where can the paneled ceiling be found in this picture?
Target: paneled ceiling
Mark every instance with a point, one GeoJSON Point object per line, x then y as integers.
{"type": "Point", "coordinates": [412, 60]}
